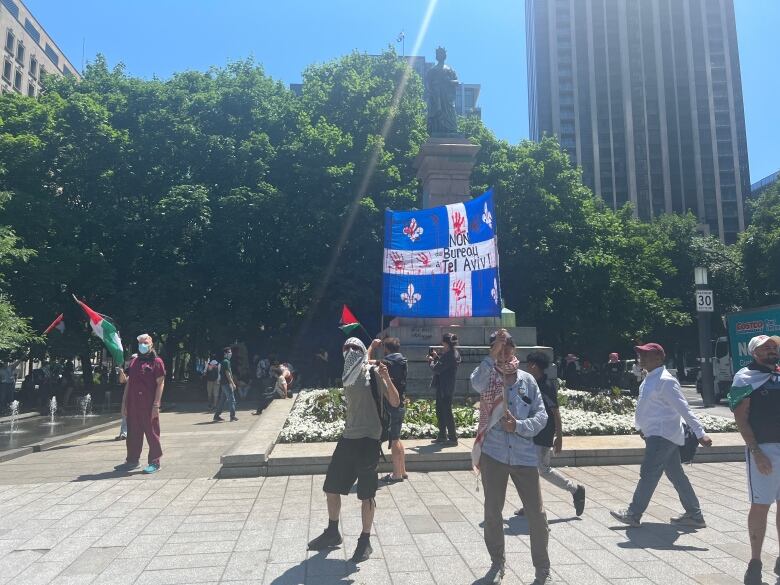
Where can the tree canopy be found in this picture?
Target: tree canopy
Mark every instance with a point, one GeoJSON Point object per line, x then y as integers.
{"type": "Point", "coordinates": [220, 205]}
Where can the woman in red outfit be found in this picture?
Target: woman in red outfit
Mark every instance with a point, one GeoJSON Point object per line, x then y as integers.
{"type": "Point", "coordinates": [141, 406]}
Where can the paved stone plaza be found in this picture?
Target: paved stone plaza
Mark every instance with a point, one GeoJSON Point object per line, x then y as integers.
{"type": "Point", "coordinates": [63, 521]}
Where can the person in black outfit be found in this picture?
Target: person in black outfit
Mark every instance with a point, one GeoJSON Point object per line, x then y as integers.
{"type": "Point", "coordinates": [445, 369]}
{"type": "Point", "coordinates": [397, 367]}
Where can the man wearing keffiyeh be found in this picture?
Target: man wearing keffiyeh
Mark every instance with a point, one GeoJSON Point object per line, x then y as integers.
{"type": "Point", "coordinates": [511, 413]}
{"type": "Point", "coordinates": [755, 400]}
{"type": "Point", "coordinates": [357, 452]}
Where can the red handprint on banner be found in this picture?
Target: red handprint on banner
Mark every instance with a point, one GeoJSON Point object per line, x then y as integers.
{"type": "Point", "coordinates": [458, 223]}
{"type": "Point", "coordinates": [424, 259]}
{"type": "Point", "coordinates": [397, 261]}
{"type": "Point", "coordinates": [459, 288]}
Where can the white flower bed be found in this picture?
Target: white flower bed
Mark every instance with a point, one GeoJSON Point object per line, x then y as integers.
{"type": "Point", "coordinates": [303, 426]}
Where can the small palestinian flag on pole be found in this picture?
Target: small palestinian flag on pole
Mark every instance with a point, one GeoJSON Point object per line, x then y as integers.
{"type": "Point", "coordinates": [58, 324]}
{"type": "Point", "coordinates": [105, 330]}
{"type": "Point", "coordinates": [348, 321]}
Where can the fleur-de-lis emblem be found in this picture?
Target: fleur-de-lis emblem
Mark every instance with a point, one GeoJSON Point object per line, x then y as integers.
{"type": "Point", "coordinates": [487, 217]}
{"type": "Point", "coordinates": [494, 291]}
{"type": "Point", "coordinates": [410, 297]}
{"type": "Point", "coordinates": [413, 230]}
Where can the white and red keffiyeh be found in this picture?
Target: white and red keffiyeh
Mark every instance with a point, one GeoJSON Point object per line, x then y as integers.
{"type": "Point", "coordinates": [492, 407]}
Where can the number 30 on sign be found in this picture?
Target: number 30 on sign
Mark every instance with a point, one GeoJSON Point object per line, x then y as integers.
{"type": "Point", "coordinates": [704, 302]}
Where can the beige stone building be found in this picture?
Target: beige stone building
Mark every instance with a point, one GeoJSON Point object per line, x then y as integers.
{"type": "Point", "coordinates": [28, 53]}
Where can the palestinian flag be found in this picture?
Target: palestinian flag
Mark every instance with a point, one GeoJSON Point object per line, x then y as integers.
{"type": "Point", "coordinates": [58, 324]}
{"type": "Point", "coordinates": [105, 330]}
{"type": "Point", "coordinates": [348, 321]}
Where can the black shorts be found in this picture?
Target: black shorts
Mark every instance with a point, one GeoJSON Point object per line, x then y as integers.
{"type": "Point", "coordinates": [396, 420]}
{"type": "Point", "coordinates": [353, 460]}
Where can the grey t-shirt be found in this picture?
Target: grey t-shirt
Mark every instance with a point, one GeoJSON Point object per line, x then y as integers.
{"type": "Point", "coordinates": [362, 418]}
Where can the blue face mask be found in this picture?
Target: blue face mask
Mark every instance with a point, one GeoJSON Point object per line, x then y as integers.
{"type": "Point", "coordinates": [143, 348]}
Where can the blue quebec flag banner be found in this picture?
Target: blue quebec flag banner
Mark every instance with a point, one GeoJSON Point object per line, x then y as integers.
{"type": "Point", "coordinates": [442, 262]}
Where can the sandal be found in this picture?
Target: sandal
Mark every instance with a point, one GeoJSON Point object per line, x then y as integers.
{"type": "Point", "coordinates": [390, 479]}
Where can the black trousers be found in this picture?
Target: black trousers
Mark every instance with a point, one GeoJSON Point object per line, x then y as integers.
{"type": "Point", "coordinates": [444, 413]}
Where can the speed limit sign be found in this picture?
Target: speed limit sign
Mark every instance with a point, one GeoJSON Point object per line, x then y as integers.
{"type": "Point", "coordinates": [704, 302]}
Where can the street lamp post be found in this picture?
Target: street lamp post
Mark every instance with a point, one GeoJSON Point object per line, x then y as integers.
{"type": "Point", "coordinates": [704, 306]}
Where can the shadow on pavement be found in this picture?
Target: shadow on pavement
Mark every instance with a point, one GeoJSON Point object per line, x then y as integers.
{"type": "Point", "coordinates": [113, 474]}
{"type": "Point", "coordinates": [319, 567]}
{"type": "Point", "coordinates": [658, 536]}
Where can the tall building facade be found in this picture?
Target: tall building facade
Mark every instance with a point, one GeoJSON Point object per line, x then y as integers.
{"type": "Point", "coordinates": [645, 96]}
{"type": "Point", "coordinates": [29, 53]}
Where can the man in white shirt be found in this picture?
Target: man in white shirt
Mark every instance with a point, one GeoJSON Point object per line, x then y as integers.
{"type": "Point", "coordinates": [659, 413]}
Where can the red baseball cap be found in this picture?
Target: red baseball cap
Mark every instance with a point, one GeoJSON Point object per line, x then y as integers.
{"type": "Point", "coordinates": [650, 347]}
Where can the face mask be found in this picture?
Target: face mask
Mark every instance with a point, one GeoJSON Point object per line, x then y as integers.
{"type": "Point", "coordinates": [143, 347]}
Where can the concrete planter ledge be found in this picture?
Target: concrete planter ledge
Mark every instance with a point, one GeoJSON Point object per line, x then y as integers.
{"type": "Point", "coordinates": [422, 456]}
{"type": "Point", "coordinates": [249, 456]}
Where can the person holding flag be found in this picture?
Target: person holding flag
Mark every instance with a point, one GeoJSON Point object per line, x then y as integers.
{"type": "Point", "coordinates": [141, 406]}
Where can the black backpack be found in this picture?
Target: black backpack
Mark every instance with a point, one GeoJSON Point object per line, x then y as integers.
{"type": "Point", "coordinates": [398, 372]}
{"type": "Point", "coordinates": [212, 375]}
{"type": "Point", "coordinates": [384, 414]}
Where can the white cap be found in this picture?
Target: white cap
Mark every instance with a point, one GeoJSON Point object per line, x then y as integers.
{"type": "Point", "coordinates": [760, 340]}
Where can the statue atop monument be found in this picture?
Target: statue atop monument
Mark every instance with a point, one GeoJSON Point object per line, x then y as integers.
{"type": "Point", "coordinates": [441, 82]}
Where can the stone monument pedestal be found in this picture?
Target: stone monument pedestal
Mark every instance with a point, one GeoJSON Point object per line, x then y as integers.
{"type": "Point", "coordinates": [444, 166]}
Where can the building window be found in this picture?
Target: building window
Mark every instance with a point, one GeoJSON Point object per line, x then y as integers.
{"type": "Point", "coordinates": [33, 72]}
{"type": "Point", "coordinates": [52, 54]}
{"type": "Point", "coordinates": [7, 69]}
{"type": "Point", "coordinates": [12, 7]}
{"type": "Point", "coordinates": [20, 53]}
{"type": "Point", "coordinates": [66, 71]}
{"type": "Point", "coordinates": [31, 89]}
{"type": "Point", "coordinates": [32, 31]}
{"type": "Point", "coordinates": [10, 41]}
{"type": "Point", "coordinates": [18, 80]}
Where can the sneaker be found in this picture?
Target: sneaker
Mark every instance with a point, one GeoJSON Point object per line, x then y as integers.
{"type": "Point", "coordinates": [218, 418]}
{"type": "Point", "coordinates": [439, 440]}
{"type": "Point", "coordinates": [120, 437]}
{"type": "Point", "coordinates": [543, 577]}
{"type": "Point", "coordinates": [257, 412]}
{"type": "Point", "coordinates": [689, 521]}
{"type": "Point", "coordinates": [233, 419]}
{"type": "Point", "coordinates": [753, 573]}
{"type": "Point", "coordinates": [626, 518]}
{"type": "Point", "coordinates": [328, 539]}
{"type": "Point", "coordinates": [494, 575]}
{"type": "Point", "coordinates": [451, 443]}
{"type": "Point", "coordinates": [579, 500]}
{"type": "Point", "coordinates": [520, 512]}
{"type": "Point", "coordinates": [127, 466]}
{"type": "Point", "coordinates": [390, 479]}
{"type": "Point", "coordinates": [777, 567]}
{"type": "Point", "coordinates": [363, 550]}
{"type": "Point", "coordinates": [152, 468]}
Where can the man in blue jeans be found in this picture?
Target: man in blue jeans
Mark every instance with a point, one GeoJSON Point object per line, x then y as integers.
{"type": "Point", "coordinates": [227, 386]}
{"type": "Point", "coordinates": [660, 410]}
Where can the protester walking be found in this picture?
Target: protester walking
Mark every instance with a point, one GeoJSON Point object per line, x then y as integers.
{"type": "Point", "coordinates": [141, 405]}
{"type": "Point", "coordinates": [357, 452]}
{"type": "Point", "coordinates": [397, 367]}
{"type": "Point", "coordinates": [227, 388]}
{"type": "Point", "coordinates": [445, 370]}
{"type": "Point", "coordinates": [660, 411]}
{"type": "Point", "coordinates": [7, 383]}
{"type": "Point", "coordinates": [550, 438]}
{"type": "Point", "coordinates": [212, 383]}
{"type": "Point", "coordinates": [755, 400]}
{"type": "Point", "coordinates": [511, 413]}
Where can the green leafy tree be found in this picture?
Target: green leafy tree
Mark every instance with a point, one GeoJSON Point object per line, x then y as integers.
{"type": "Point", "coordinates": [760, 247]}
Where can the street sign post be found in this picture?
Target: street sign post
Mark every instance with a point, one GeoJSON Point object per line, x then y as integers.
{"type": "Point", "coordinates": [704, 303]}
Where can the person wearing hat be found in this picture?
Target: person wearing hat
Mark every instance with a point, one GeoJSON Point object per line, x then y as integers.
{"type": "Point", "coordinates": [511, 414]}
{"type": "Point", "coordinates": [660, 410]}
{"type": "Point", "coordinates": [141, 406]}
{"type": "Point", "coordinates": [755, 400]}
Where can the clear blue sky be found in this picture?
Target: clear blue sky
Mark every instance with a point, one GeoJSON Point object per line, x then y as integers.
{"type": "Point", "coordinates": [485, 42]}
